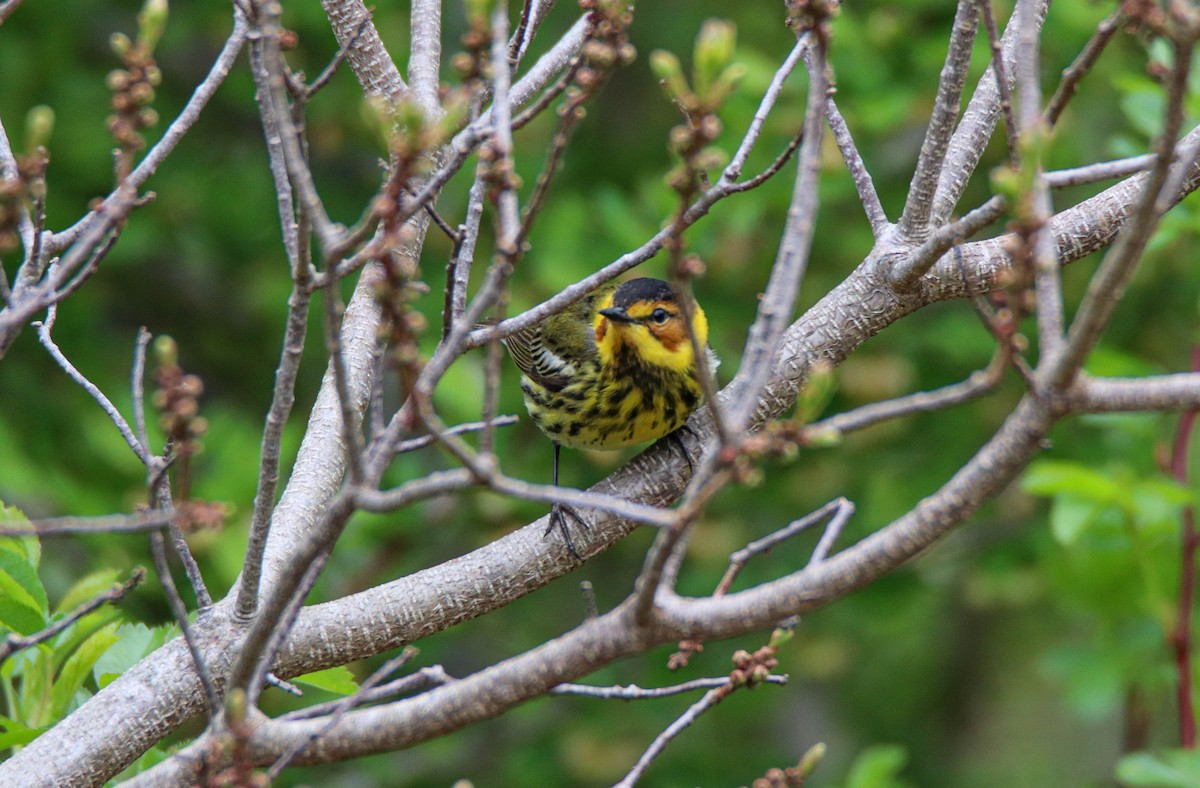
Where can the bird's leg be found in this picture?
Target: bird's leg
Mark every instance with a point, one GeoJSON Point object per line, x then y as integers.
{"type": "Point", "coordinates": [560, 512]}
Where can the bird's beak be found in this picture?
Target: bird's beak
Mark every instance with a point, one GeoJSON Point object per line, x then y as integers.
{"type": "Point", "coordinates": [617, 313]}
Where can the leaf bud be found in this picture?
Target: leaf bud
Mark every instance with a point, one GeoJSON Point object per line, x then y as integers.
{"type": "Point", "coordinates": [39, 123]}
{"type": "Point", "coordinates": [666, 67]}
{"type": "Point", "coordinates": [120, 44]}
{"type": "Point", "coordinates": [714, 50]}
{"type": "Point", "coordinates": [152, 21]}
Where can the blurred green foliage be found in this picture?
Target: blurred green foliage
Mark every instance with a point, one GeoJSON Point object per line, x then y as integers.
{"type": "Point", "coordinates": [1004, 656]}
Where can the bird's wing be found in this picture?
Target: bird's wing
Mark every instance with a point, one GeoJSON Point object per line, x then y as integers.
{"type": "Point", "coordinates": [539, 363]}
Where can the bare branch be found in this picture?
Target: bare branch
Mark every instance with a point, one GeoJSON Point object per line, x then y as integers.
{"type": "Point", "coordinates": [1100, 171]}
{"type": "Point", "coordinates": [1002, 82]}
{"type": "Point", "coordinates": [368, 57]}
{"type": "Point", "coordinates": [1180, 391]}
{"type": "Point", "coordinates": [433, 676]}
{"type": "Point", "coordinates": [114, 415]}
{"type": "Point", "coordinates": [1106, 287]}
{"type": "Point", "coordinates": [634, 692]}
{"type": "Point", "coordinates": [710, 699]}
{"type": "Point", "coordinates": [917, 208]}
{"type": "Point", "coordinates": [424, 62]}
{"type": "Point", "coordinates": [1035, 209]}
{"type": "Point", "coordinates": [976, 385]}
{"type": "Point", "coordinates": [138, 522]}
{"type": "Point", "coordinates": [1082, 64]}
{"type": "Point", "coordinates": [344, 705]}
{"type": "Point", "coordinates": [912, 267]}
{"type": "Point", "coordinates": [158, 549]}
{"type": "Point", "coordinates": [978, 121]}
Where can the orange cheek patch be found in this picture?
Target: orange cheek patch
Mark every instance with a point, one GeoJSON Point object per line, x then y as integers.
{"type": "Point", "coordinates": [601, 329]}
{"type": "Point", "coordinates": [670, 334]}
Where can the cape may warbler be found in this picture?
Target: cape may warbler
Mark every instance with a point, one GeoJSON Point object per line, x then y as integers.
{"type": "Point", "coordinates": [614, 369]}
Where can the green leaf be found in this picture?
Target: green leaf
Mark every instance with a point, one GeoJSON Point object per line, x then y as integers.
{"type": "Point", "coordinates": [134, 641]}
{"type": "Point", "coordinates": [86, 588]}
{"type": "Point", "coordinates": [29, 546]}
{"type": "Point", "coordinates": [15, 734]}
{"type": "Point", "coordinates": [79, 666]}
{"type": "Point", "coordinates": [338, 680]}
{"type": "Point", "coordinates": [1070, 516]}
{"type": "Point", "coordinates": [20, 611]}
{"type": "Point", "coordinates": [1058, 477]}
{"type": "Point", "coordinates": [1171, 768]}
{"type": "Point", "coordinates": [877, 767]}
{"type": "Point", "coordinates": [23, 604]}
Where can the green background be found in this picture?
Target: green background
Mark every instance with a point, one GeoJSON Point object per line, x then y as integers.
{"type": "Point", "coordinates": [1013, 653]}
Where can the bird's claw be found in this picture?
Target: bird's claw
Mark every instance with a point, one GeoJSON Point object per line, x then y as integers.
{"type": "Point", "coordinates": [558, 519]}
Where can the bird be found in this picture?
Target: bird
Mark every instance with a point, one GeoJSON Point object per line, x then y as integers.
{"type": "Point", "coordinates": [614, 369]}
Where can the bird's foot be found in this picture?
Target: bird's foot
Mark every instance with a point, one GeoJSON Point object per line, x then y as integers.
{"type": "Point", "coordinates": [558, 519]}
{"type": "Point", "coordinates": [675, 441]}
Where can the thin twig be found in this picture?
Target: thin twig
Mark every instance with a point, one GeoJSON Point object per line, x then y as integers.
{"type": "Point", "coordinates": [282, 400]}
{"type": "Point", "coordinates": [344, 705]}
{"type": "Point", "coordinates": [458, 271]}
{"type": "Point", "coordinates": [6, 9]}
{"type": "Point", "coordinates": [1100, 171]}
{"type": "Point", "coordinates": [137, 522]}
{"type": "Point", "coordinates": [1082, 64]}
{"type": "Point", "coordinates": [737, 162]}
{"type": "Point", "coordinates": [432, 676]}
{"type": "Point", "coordinates": [838, 511]}
{"type": "Point", "coordinates": [14, 642]}
{"type": "Point", "coordinates": [412, 444]}
{"type": "Point", "coordinates": [1002, 83]}
{"type": "Point", "coordinates": [710, 699]}
{"type": "Point", "coordinates": [1106, 286]}
{"type": "Point", "coordinates": [634, 692]}
{"type": "Point", "coordinates": [976, 385]}
{"type": "Point", "coordinates": [158, 549]}
{"type": "Point", "coordinates": [114, 415]}
{"type": "Point", "coordinates": [339, 57]}
{"type": "Point", "coordinates": [137, 385]}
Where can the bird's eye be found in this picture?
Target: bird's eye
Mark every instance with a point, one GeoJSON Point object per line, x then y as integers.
{"type": "Point", "coordinates": [660, 315]}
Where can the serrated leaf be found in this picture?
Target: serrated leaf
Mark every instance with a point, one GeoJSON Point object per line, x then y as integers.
{"type": "Point", "coordinates": [17, 561]}
{"type": "Point", "coordinates": [338, 680]}
{"type": "Point", "coordinates": [29, 546]}
{"type": "Point", "coordinates": [76, 669]}
{"type": "Point", "coordinates": [19, 611]}
{"type": "Point", "coordinates": [134, 641]}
